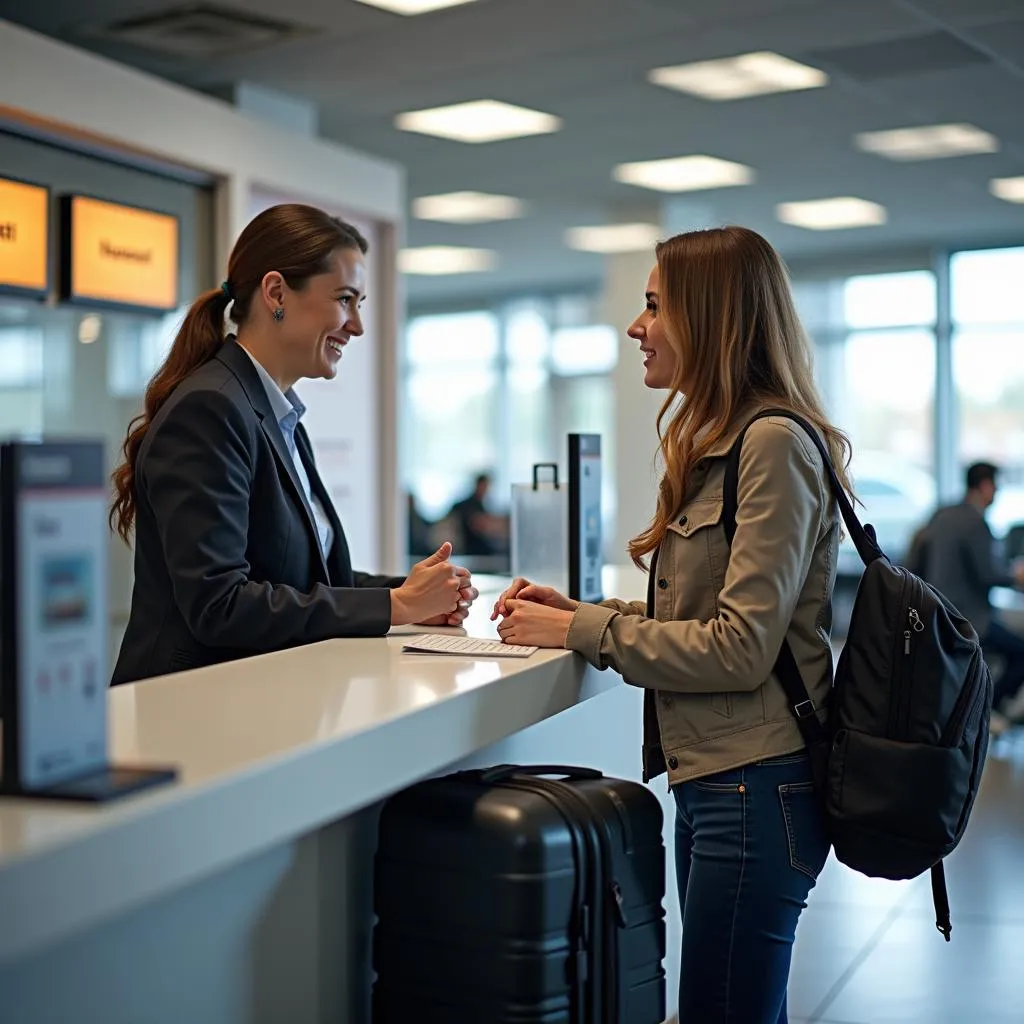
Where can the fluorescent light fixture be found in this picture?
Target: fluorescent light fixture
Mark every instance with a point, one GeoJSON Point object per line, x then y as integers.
{"type": "Point", "coordinates": [612, 238]}
{"type": "Point", "coordinates": [735, 78]}
{"type": "Point", "coordinates": [832, 214]}
{"type": "Point", "coordinates": [1010, 189]}
{"type": "Point", "coordinates": [467, 207]}
{"type": "Point", "coordinates": [410, 7]}
{"type": "Point", "coordinates": [930, 143]}
{"type": "Point", "coordinates": [478, 121]}
{"type": "Point", "coordinates": [435, 260]}
{"type": "Point", "coordinates": [684, 174]}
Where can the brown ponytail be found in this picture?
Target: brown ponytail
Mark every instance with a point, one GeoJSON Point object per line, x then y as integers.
{"type": "Point", "coordinates": [295, 240]}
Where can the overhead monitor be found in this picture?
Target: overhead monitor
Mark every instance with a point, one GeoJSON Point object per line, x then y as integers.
{"type": "Point", "coordinates": [119, 256]}
{"type": "Point", "coordinates": [24, 238]}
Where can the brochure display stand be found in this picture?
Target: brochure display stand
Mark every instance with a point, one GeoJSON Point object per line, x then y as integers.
{"type": "Point", "coordinates": [556, 530]}
{"type": "Point", "coordinates": [585, 541]}
{"type": "Point", "coordinates": [53, 626]}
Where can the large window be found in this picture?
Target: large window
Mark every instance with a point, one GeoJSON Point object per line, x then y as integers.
{"type": "Point", "coordinates": [452, 388]}
{"type": "Point", "coordinates": [496, 390]}
{"type": "Point", "coordinates": [876, 364]}
{"type": "Point", "coordinates": [988, 370]}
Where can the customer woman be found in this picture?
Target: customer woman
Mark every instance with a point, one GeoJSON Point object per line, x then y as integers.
{"type": "Point", "coordinates": [238, 549]}
{"type": "Point", "coordinates": [720, 334]}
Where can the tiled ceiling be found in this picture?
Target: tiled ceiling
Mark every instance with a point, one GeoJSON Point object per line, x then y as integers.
{"type": "Point", "coordinates": [893, 64]}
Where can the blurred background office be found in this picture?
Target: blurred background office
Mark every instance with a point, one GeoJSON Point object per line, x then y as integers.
{"type": "Point", "coordinates": [876, 143]}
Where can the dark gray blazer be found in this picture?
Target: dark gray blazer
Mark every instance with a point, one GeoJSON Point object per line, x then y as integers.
{"type": "Point", "coordinates": [227, 559]}
{"type": "Point", "coordinates": [955, 553]}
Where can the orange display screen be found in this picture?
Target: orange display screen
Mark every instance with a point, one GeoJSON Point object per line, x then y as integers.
{"type": "Point", "coordinates": [122, 255]}
{"type": "Point", "coordinates": [24, 236]}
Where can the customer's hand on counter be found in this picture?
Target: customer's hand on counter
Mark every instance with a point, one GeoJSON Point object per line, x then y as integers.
{"type": "Point", "coordinates": [523, 590]}
{"type": "Point", "coordinates": [534, 625]}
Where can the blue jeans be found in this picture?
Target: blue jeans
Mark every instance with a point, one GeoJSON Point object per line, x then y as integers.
{"type": "Point", "coordinates": [750, 844]}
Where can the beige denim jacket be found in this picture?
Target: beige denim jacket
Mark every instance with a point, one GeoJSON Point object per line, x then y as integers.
{"type": "Point", "coordinates": [706, 657]}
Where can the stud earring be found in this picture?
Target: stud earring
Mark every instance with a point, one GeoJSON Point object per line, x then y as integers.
{"type": "Point", "coordinates": [278, 314]}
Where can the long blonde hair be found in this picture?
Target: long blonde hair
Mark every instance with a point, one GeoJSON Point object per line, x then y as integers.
{"type": "Point", "coordinates": [728, 313]}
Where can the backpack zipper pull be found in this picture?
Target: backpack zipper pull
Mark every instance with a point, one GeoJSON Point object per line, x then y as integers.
{"type": "Point", "coordinates": [916, 624]}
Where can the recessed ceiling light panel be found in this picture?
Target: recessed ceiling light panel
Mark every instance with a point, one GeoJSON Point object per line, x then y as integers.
{"type": "Point", "coordinates": [437, 260]}
{"type": "Point", "coordinates": [467, 207]}
{"type": "Point", "coordinates": [411, 7]}
{"type": "Point", "coordinates": [933, 142]}
{"type": "Point", "coordinates": [832, 214]}
{"type": "Point", "coordinates": [478, 121]}
{"type": "Point", "coordinates": [735, 78]}
{"type": "Point", "coordinates": [1010, 189]}
{"type": "Point", "coordinates": [684, 174]}
{"type": "Point", "coordinates": [612, 238]}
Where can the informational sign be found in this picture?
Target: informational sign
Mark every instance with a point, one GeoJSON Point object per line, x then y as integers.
{"type": "Point", "coordinates": [53, 617]}
{"type": "Point", "coordinates": [55, 534]}
{"type": "Point", "coordinates": [117, 255]}
{"type": "Point", "coordinates": [585, 541]}
{"type": "Point", "coordinates": [24, 238]}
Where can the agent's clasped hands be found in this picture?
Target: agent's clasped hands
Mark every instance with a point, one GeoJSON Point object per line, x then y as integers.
{"type": "Point", "coordinates": [436, 593]}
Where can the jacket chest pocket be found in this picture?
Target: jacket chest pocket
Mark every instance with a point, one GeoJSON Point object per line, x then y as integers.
{"type": "Point", "coordinates": [698, 560]}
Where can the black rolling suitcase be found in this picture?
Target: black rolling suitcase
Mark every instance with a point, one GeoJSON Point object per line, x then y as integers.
{"type": "Point", "coordinates": [503, 897]}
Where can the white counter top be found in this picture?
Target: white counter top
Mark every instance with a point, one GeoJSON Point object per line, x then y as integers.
{"type": "Point", "coordinates": [268, 749]}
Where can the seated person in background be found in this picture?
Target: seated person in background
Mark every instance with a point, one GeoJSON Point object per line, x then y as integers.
{"type": "Point", "coordinates": [482, 532]}
{"type": "Point", "coordinates": [419, 529]}
{"type": "Point", "coordinates": [956, 553]}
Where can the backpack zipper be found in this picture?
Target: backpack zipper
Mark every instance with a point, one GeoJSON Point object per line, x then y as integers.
{"type": "Point", "coordinates": [898, 670]}
{"type": "Point", "coordinates": [966, 702]}
{"type": "Point", "coordinates": [914, 625]}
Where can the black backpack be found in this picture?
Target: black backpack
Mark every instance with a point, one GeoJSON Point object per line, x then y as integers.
{"type": "Point", "coordinates": [899, 762]}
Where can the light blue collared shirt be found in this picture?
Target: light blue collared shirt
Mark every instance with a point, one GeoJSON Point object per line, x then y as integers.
{"type": "Point", "coordinates": [288, 410]}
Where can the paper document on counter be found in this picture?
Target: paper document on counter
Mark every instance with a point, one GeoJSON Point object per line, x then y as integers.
{"type": "Point", "coordinates": [465, 646]}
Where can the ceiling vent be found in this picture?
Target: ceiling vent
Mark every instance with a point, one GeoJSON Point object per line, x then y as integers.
{"type": "Point", "coordinates": [198, 31]}
{"type": "Point", "coordinates": [913, 55]}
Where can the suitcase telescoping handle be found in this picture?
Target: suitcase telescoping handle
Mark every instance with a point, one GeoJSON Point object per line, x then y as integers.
{"type": "Point", "coordinates": [501, 772]}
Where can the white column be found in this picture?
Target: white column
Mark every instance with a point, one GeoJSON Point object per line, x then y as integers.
{"type": "Point", "coordinates": [636, 407]}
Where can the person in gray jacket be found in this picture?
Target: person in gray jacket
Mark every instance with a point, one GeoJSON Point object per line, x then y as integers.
{"type": "Point", "coordinates": [956, 553]}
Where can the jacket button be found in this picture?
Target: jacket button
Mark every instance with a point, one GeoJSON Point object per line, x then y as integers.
{"type": "Point", "coordinates": [673, 762]}
{"type": "Point", "coordinates": [663, 583]}
{"type": "Point", "coordinates": [682, 521]}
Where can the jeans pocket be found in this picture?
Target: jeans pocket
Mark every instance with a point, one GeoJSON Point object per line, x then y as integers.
{"type": "Point", "coordinates": [721, 782]}
{"type": "Point", "coordinates": [803, 818]}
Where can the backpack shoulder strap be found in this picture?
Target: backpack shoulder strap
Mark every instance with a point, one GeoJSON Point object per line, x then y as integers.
{"type": "Point", "coordinates": [863, 537]}
{"type": "Point", "coordinates": [786, 670]}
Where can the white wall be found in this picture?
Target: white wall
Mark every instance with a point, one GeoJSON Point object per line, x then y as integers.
{"type": "Point", "coordinates": [55, 91]}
